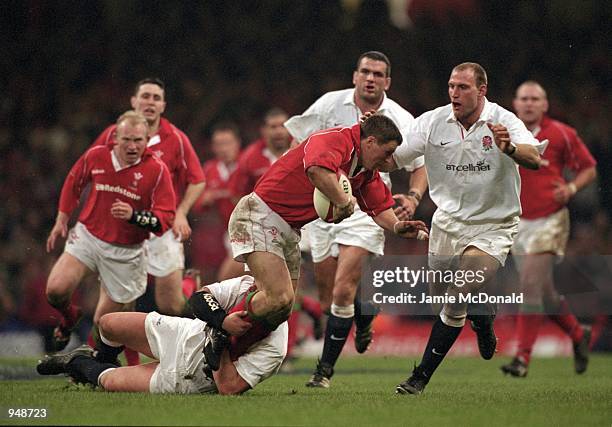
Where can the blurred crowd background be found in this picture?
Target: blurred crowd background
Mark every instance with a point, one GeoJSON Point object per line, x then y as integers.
{"type": "Point", "coordinates": [69, 68]}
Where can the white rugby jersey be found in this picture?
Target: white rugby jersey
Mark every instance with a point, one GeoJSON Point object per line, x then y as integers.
{"type": "Point", "coordinates": [338, 108]}
{"type": "Point", "coordinates": [469, 177]}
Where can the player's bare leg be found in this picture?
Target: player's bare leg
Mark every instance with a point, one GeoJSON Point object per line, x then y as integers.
{"type": "Point", "coordinates": [229, 269]}
{"type": "Point", "coordinates": [126, 329]}
{"type": "Point", "coordinates": [128, 378]}
{"type": "Point", "coordinates": [65, 277]}
{"type": "Point", "coordinates": [270, 304]}
{"type": "Point", "coordinates": [106, 349]}
{"type": "Point", "coordinates": [169, 293]}
{"type": "Point", "coordinates": [325, 273]}
{"type": "Point", "coordinates": [276, 289]}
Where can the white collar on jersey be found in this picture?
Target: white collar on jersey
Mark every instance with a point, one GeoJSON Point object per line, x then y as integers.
{"type": "Point", "coordinates": [226, 170]}
{"type": "Point", "coordinates": [116, 164]}
{"type": "Point", "coordinates": [269, 155]}
{"type": "Point", "coordinates": [155, 139]}
{"type": "Point", "coordinates": [350, 100]}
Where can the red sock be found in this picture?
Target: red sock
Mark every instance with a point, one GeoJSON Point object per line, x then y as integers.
{"type": "Point", "coordinates": [312, 307]}
{"type": "Point", "coordinates": [189, 286]}
{"type": "Point", "coordinates": [527, 326]}
{"type": "Point", "coordinates": [293, 325]}
{"type": "Point", "coordinates": [259, 330]}
{"type": "Point", "coordinates": [131, 356]}
{"type": "Point", "coordinates": [567, 321]}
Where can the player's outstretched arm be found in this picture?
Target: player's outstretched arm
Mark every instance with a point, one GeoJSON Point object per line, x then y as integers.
{"type": "Point", "coordinates": [405, 229]}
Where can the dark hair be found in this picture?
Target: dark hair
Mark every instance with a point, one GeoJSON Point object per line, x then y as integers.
{"type": "Point", "coordinates": [480, 75]}
{"type": "Point", "coordinates": [381, 127]}
{"type": "Point", "coordinates": [226, 126]}
{"type": "Point", "coordinates": [376, 56]}
{"type": "Point", "coordinates": [152, 81]}
{"type": "Point", "coordinates": [274, 112]}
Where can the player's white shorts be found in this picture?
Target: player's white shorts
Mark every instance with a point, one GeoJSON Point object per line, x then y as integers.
{"type": "Point", "coordinates": [122, 269]}
{"type": "Point", "coordinates": [357, 230]}
{"type": "Point", "coordinates": [547, 234]}
{"type": "Point", "coordinates": [253, 227]}
{"type": "Point", "coordinates": [165, 254]}
{"type": "Point", "coordinates": [177, 343]}
{"type": "Point", "coordinates": [449, 238]}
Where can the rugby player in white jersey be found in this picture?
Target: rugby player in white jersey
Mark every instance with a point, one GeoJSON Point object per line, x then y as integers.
{"type": "Point", "coordinates": [472, 150]}
{"type": "Point", "coordinates": [177, 345]}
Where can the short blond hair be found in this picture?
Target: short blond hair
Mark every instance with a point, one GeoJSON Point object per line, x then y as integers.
{"type": "Point", "coordinates": [480, 75]}
{"type": "Point", "coordinates": [133, 118]}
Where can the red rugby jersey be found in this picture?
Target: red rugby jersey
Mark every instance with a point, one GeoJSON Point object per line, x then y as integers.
{"type": "Point", "coordinates": [286, 189]}
{"type": "Point", "coordinates": [174, 148]}
{"type": "Point", "coordinates": [145, 186]}
{"type": "Point", "coordinates": [565, 150]}
{"type": "Point", "coordinates": [254, 161]}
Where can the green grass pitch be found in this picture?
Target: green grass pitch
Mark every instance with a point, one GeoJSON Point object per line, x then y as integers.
{"type": "Point", "coordinates": [464, 391]}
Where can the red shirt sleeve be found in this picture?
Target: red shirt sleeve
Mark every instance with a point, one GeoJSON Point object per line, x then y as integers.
{"type": "Point", "coordinates": [163, 199]}
{"type": "Point", "coordinates": [577, 155]}
{"type": "Point", "coordinates": [374, 197]}
{"type": "Point", "coordinates": [77, 179]}
{"type": "Point", "coordinates": [328, 150]}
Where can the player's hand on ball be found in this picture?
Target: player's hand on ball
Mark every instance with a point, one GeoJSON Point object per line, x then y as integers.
{"type": "Point", "coordinates": [234, 324]}
{"type": "Point", "coordinates": [344, 211]}
{"type": "Point", "coordinates": [411, 230]}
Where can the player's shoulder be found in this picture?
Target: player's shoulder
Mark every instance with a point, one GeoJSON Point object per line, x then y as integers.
{"type": "Point", "coordinates": [98, 152]}
{"type": "Point", "coordinates": [558, 125]}
{"type": "Point", "coordinates": [499, 114]}
{"type": "Point", "coordinates": [395, 111]}
{"type": "Point", "coordinates": [437, 114]}
{"type": "Point", "coordinates": [254, 149]}
{"type": "Point", "coordinates": [334, 98]}
{"type": "Point", "coordinates": [170, 130]}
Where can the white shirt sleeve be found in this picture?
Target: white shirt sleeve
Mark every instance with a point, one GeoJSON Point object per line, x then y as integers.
{"type": "Point", "coordinates": [228, 292]}
{"type": "Point", "coordinates": [519, 134]}
{"type": "Point", "coordinates": [414, 141]}
{"type": "Point", "coordinates": [305, 124]}
{"type": "Point", "coordinates": [264, 358]}
{"type": "Point", "coordinates": [415, 164]}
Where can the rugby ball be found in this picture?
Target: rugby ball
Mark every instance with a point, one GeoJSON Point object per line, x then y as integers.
{"type": "Point", "coordinates": [325, 209]}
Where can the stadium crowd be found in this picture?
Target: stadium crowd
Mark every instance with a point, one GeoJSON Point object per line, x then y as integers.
{"type": "Point", "coordinates": [63, 87]}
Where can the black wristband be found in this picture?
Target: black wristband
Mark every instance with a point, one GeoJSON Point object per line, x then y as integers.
{"type": "Point", "coordinates": [511, 153]}
{"type": "Point", "coordinates": [206, 307]}
{"type": "Point", "coordinates": [146, 220]}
